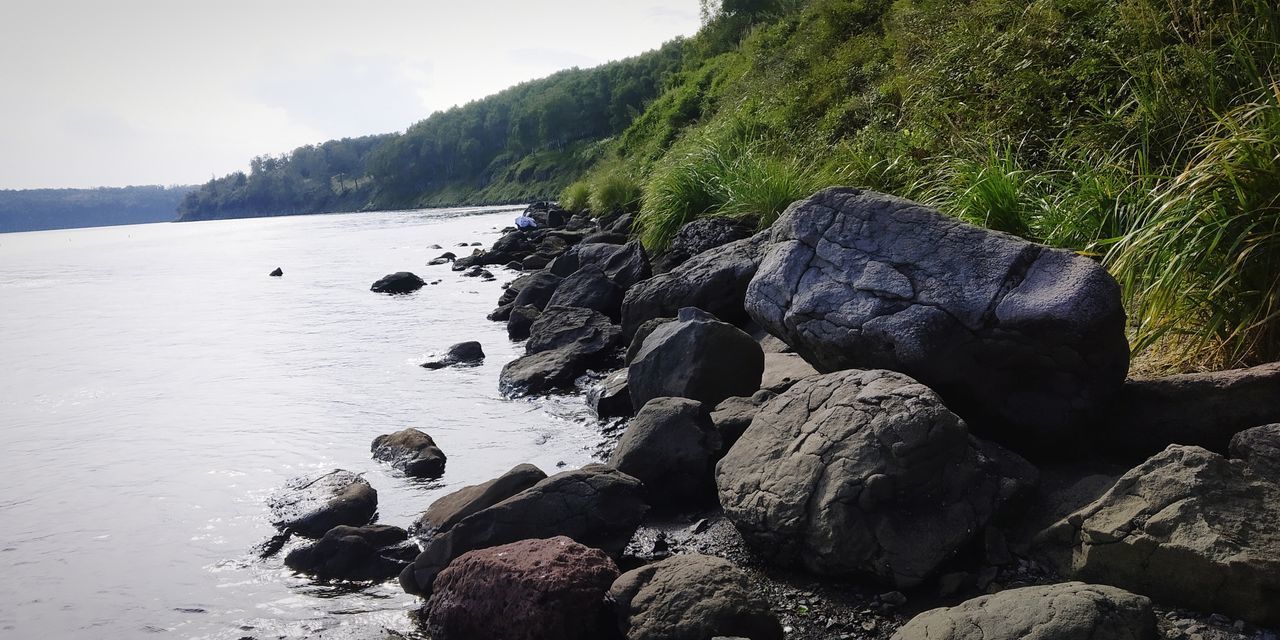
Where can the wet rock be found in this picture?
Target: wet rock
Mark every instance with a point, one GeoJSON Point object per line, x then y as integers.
{"type": "Point", "coordinates": [451, 509]}
{"type": "Point", "coordinates": [564, 342]}
{"type": "Point", "coordinates": [672, 447]}
{"type": "Point", "coordinates": [605, 237]}
{"type": "Point", "coordinates": [589, 288]}
{"type": "Point", "coordinates": [370, 553]}
{"type": "Point", "coordinates": [695, 357]}
{"type": "Point", "coordinates": [1023, 340]}
{"type": "Point", "coordinates": [611, 397]}
{"type": "Point", "coordinates": [461, 353]}
{"type": "Point", "coordinates": [398, 283]}
{"type": "Point", "coordinates": [703, 234]}
{"type": "Point", "coordinates": [410, 451]}
{"type": "Point", "coordinates": [311, 506]}
{"type": "Point", "coordinates": [1188, 527]}
{"type": "Point", "coordinates": [1069, 611]}
{"type": "Point", "coordinates": [1259, 447]}
{"type": "Point", "coordinates": [596, 505]}
{"type": "Point", "coordinates": [278, 272]}
{"type": "Point", "coordinates": [864, 473]}
{"type": "Point", "coordinates": [537, 290]}
{"type": "Point", "coordinates": [521, 320]}
{"type": "Point", "coordinates": [781, 370]}
{"type": "Point", "coordinates": [691, 596]}
{"type": "Point", "coordinates": [527, 590]}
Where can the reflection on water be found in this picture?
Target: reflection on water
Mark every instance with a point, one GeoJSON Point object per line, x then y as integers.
{"type": "Point", "coordinates": [158, 386]}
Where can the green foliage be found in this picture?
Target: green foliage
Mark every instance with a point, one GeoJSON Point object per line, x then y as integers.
{"type": "Point", "coordinates": [614, 191]}
{"type": "Point", "coordinates": [36, 209]}
{"type": "Point", "coordinates": [576, 197]}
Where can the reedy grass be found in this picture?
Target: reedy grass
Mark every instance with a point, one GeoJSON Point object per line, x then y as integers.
{"type": "Point", "coordinates": [614, 191]}
{"type": "Point", "coordinates": [576, 197]}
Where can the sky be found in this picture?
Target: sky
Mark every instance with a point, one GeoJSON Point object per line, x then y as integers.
{"type": "Point", "coordinates": [129, 92]}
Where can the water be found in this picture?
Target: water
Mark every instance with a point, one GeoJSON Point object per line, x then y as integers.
{"type": "Point", "coordinates": [157, 386]}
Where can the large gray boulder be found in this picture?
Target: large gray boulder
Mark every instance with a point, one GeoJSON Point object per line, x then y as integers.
{"type": "Point", "coordinates": [691, 596]}
{"type": "Point", "coordinates": [864, 473]}
{"type": "Point", "coordinates": [1068, 611]}
{"type": "Point", "coordinates": [451, 509]}
{"type": "Point", "coordinates": [1259, 447]}
{"type": "Point", "coordinates": [671, 446]}
{"type": "Point", "coordinates": [1020, 339]}
{"type": "Point", "coordinates": [702, 234]}
{"type": "Point", "coordinates": [695, 357]}
{"type": "Point", "coordinates": [714, 281]}
{"type": "Point", "coordinates": [1187, 527]}
{"type": "Point", "coordinates": [311, 506]}
{"type": "Point", "coordinates": [596, 505]}
{"type": "Point", "coordinates": [589, 288]}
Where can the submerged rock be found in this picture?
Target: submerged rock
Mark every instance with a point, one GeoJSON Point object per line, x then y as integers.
{"type": "Point", "coordinates": [410, 451]}
{"type": "Point", "coordinates": [370, 553]}
{"type": "Point", "coordinates": [396, 283]}
{"type": "Point", "coordinates": [564, 342]}
{"type": "Point", "coordinates": [691, 596]}
{"type": "Point", "coordinates": [461, 353]}
{"type": "Point", "coordinates": [311, 506]}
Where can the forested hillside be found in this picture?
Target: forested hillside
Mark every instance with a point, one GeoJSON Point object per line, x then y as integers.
{"type": "Point", "coordinates": [36, 209]}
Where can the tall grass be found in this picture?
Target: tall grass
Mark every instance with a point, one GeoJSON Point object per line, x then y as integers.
{"type": "Point", "coordinates": [576, 197]}
{"type": "Point", "coordinates": [614, 191]}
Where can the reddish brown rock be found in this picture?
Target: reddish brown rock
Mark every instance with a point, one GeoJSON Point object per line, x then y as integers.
{"type": "Point", "coordinates": [527, 590]}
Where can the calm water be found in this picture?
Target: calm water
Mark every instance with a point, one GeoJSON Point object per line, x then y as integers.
{"type": "Point", "coordinates": [157, 386]}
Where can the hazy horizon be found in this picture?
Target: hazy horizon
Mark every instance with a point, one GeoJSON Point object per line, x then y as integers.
{"type": "Point", "coordinates": [149, 92]}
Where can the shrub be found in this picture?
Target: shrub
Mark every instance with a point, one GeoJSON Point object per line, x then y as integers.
{"type": "Point", "coordinates": [614, 191]}
{"type": "Point", "coordinates": [576, 197]}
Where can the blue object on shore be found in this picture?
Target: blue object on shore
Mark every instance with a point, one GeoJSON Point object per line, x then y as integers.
{"type": "Point", "coordinates": [525, 222]}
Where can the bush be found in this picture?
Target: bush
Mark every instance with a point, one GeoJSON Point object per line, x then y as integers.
{"type": "Point", "coordinates": [576, 197]}
{"type": "Point", "coordinates": [613, 192]}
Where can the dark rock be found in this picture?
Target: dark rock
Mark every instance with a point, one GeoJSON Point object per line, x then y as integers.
{"type": "Point", "coordinates": [1188, 527]}
{"type": "Point", "coordinates": [527, 590]}
{"type": "Point", "coordinates": [1026, 341]}
{"type": "Point", "coordinates": [581, 255]}
{"type": "Point", "coordinates": [503, 313]}
{"type": "Point", "coordinates": [1202, 409]}
{"type": "Point", "coordinates": [733, 415]}
{"type": "Point", "coordinates": [589, 288]}
{"type": "Point", "coordinates": [396, 283]}
{"type": "Point", "coordinates": [611, 397]}
{"type": "Point", "coordinates": [781, 370]}
{"type": "Point", "coordinates": [278, 272]}
{"type": "Point", "coordinates": [537, 290]}
{"type": "Point", "coordinates": [714, 281]}
{"type": "Point", "coordinates": [1259, 447]}
{"type": "Point", "coordinates": [448, 255]}
{"type": "Point", "coordinates": [311, 506]}
{"type": "Point", "coordinates": [461, 353]}
{"type": "Point", "coordinates": [628, 266]}
{"type": "Point", "coordinates": [605, 237]}
{"type": "Point", "coordinates": [514, 265]}
{"type": "Point", "coordinates": [1068, 611]}
{"type": "Point", "coordinates": [642, 333]}
{"type": "Point", "coordinates": [691, 596]}
{"type": "Point", "coordinates": [541, 372]}
{"type": "Point", "coordinates": [564, 342]}
{"type": "Point", "coordinates": [622, 224]}
{"type": "Point", "coordinates": [864, 473]}
{"type": "Point", "coordinates": [520, 320]}
{"type": "Point", "coordinates": [512, 246]}
{"type": "Point", "coordinates": [596, 505]}
{"type": "Point", "coordinates": [672, 447]}
{"type": "Point", "coordinates": [451, 509]}
{"type": "Point", "coordinates": [535, 261]}
{"type": "Point", "coordinates": [695, 357]}
{"type": "Point", "coordinates": [410, 451]}
{"type": "Point", "coordinates": [438, 261]}
{"type": "Point", "coordinates": [701, 235]}
{"type": "Point", "coordinates": [371, 553]}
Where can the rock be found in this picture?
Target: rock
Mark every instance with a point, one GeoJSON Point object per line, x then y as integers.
{"type": "Point", "coordinates": [537, 290]}
{"type": "Point", "coordinates": [438, 261]}
{"type": "Point", "coordinates": [1022, 340]}
{"type": "Point", "coordinates": [605, 237]}
{"type": "Point", "coordinates": [701, 235]}
{"type": "Point", "coordinates": [611, 397]}
{"type": "Point", "coordinates": [672, 447]}
{"type": "Point", "coordinates": [623, 224]}
{"type": "Point", "coordinates": [536, 261]}
{"type": "Point", "coordinates": [714, 281]}
{"type": "Point", "coordinates": [629, 266]}
{"type": "Point", "coordinates": [512, 246]}
{"type": "Point", "coordinates": [478, 272]}
{"type": "Point", "coordinates": [461, 353]}
{"type": "Point", "coordinates": [410, 451]}
{"type": "Point", "coordinates": [520, 320]}
{"type": "Point", "coordinates": [1202, 409]}
{"type": "Point", "coordinates": [733, 415]}
{"type": "Point", "coordinates": [1259, 447]}
{"type": "Point", "coordinates": [1188, 527]}
{"type": "Point", "coordinates": [397, 283]}
{"type": "Point", "coordinates": [1068, 611]}
{"type": "Point", "coordinates": [451, 509]}
{"type": "Point", "coordinates": [278, 272]}
{"type": "Point", "coordinates": [581, 331]}
{"type": "Point", "coordinates": [781, 370]}
{"type": "Point", "coordinates": [596, 505]}
{"type": "Point", "coordinates": [637, 341]}
{"type": "Point", "coordinates": [541, 372]}
{"type": "Point", "coordinates": [864, 473]}
{"type": "Point", "coordinates": [589, 288]}
{"type": "Point", "coordinates": [371, 553]}
{"type": "Point", "coordinates": [311, 506]}
{"type": "Point", "coordinates": [695, 357]}
{"type": "Point", "coordinates": [448, 255]}
{"type": "Point", "coordinates": [691, 596]}
{"type": "Point", "coordinates": [527, 590]}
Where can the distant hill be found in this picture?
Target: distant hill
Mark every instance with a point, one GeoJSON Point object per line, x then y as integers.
{"type": "Point", "coordinates": [37, 209]}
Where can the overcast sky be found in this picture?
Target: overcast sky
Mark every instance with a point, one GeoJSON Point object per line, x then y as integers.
{"type": "Point", "coordinates": [121, 92]}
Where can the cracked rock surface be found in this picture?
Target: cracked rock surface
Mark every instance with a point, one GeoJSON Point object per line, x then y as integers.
{"type": "Point", "coordinates": [1069, 611]}
{"type": "Point", "coordinates": [864, 473]}
{"type": "Point", "coordinates": [1021, 339]}
{"type": "Point", "coordinates": [1187, 527]}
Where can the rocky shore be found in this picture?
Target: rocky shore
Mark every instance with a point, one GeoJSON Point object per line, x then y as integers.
{"type": "Point", "coordinates": [867, 421]}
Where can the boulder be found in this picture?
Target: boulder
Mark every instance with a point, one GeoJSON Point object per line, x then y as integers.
{"type": "Point", "coordinates": [628, 266]}
{"type": "Point", "coordinates": [672, 447]}
{"type": "Point", "coordinates": [521, 320]}
{"type": "Point", "coordinates": [537, 290]}
{"type": "Point", "coordinates": [1259, 447]}
{"type": "Point", "coordinates": [276, 273]}
{"type": "Point", "coordinates": [596, 505]}
{"type": "Point", "coordinates": [410, 451]}
{"type": "Point", "coordinates": [579, 330]}
{"type": "Point", "coordinates": [864, 473]}
{"type": "Point", "coordinates": [637, 341]}
{"type": "Point", "coordinates": [701, 235]}
{"type": "Point", "coordinates": [541, 372]}
{"type": "Point", "coordinates": [781, 370]}
{"type": "Point", "coordinates": [589, 288]}
{"type": "Point", "coordinates": [397, 283]}
{"type": "Point", "coordinates": [372, 553]}
{"type": "Point", "coordinates": [462, 353]}
{"type": "Point", "coordinates": [733, 415]}
{"type": "Point", "coordinates": [311, 506]}
{"type": "Point", "coordinates": [451, 509]}
{"type": "Point", "coordinates": [714, 281]}
{"type": "Point", "coordinates": [512, 246]}
{"type": "Point", "coordinates": [1187, 527]}
{"type": "Point", "coordinates": [526, 590]}
{"type": "Point", "coordinates": [695, 357]}
{"type": "Point", "coordinates": [1202, 409]}
{"type": "Point", "coordinates": [691, 596]}
{"type": "Point", "coordinates": [1022, 340]}
{"type": "Point", "coordinates": [611, 397]}
{"type": "Point", "coordinates": [1068, 611]}
{"type": "Point", "coordinates": [605, 237]}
